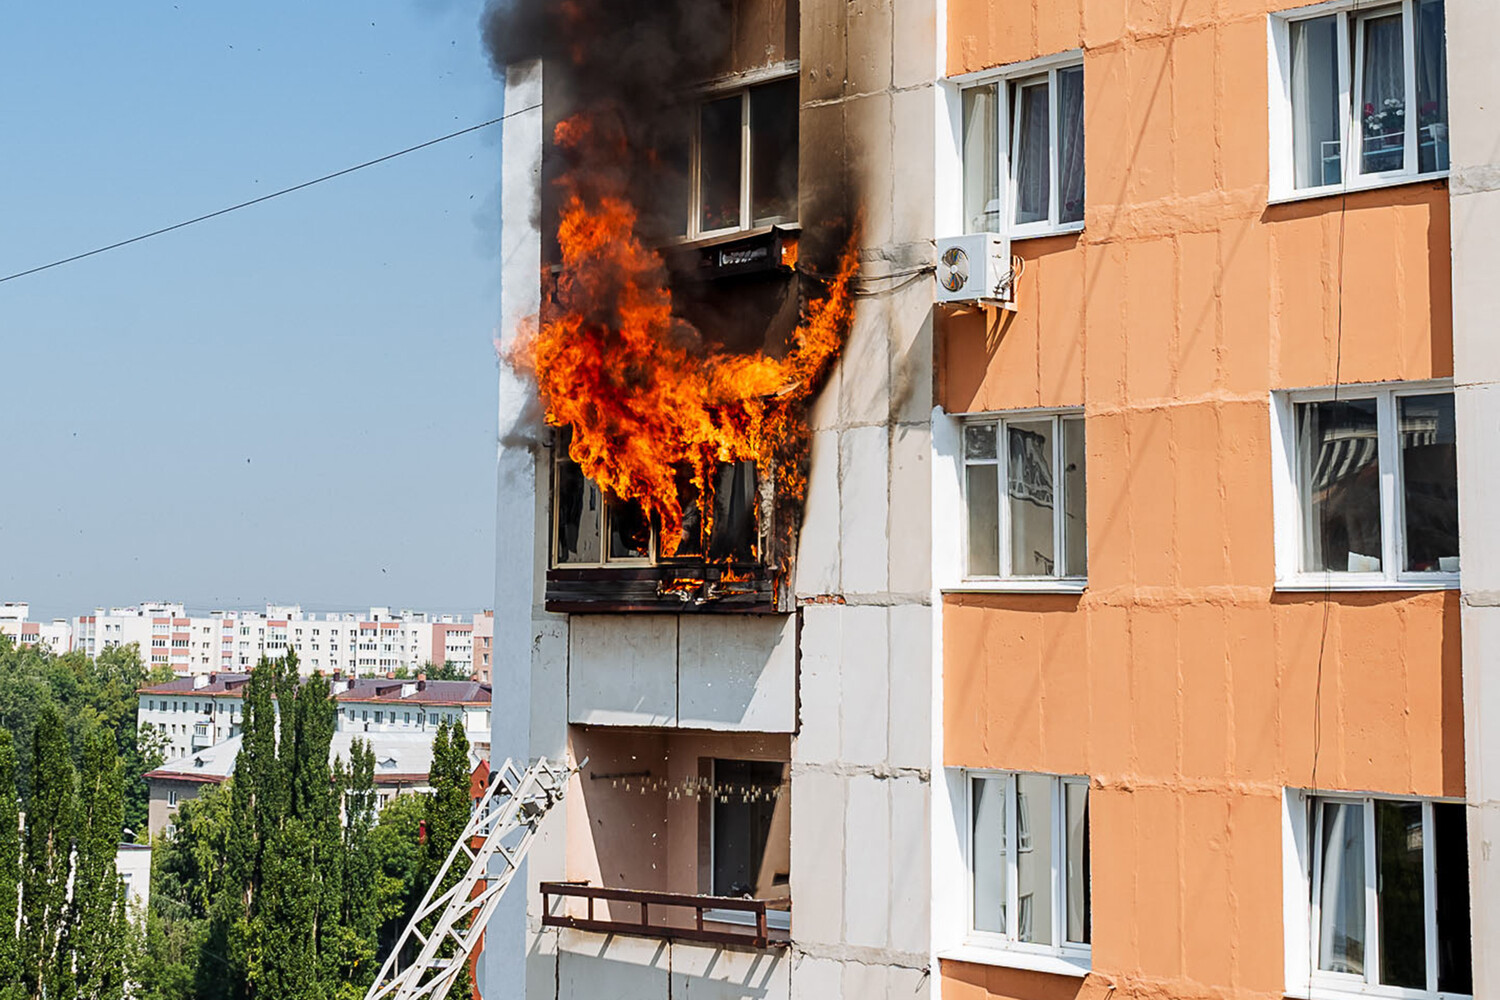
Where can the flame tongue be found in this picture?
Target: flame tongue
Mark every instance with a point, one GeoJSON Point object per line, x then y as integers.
{"type": "Point", "coordinates": [644, 403]}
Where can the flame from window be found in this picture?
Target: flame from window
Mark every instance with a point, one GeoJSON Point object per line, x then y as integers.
{"type": "Point", "coordinates": [651, 406]}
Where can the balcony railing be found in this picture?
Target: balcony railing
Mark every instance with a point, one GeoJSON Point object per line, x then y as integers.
{"type": "Point", "coordinates": [666, 905]}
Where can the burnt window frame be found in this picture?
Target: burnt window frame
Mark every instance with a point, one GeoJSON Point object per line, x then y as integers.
{"type": "Point", "coordinates": [560, 457]}
{"type": "Point", "coordinates": [742, 89]}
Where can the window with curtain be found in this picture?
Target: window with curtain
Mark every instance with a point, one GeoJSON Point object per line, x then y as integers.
{"type": "Point", "coordinates": [1389, 885]}
{"type": "Point", "coordinates": [1028, 837]}
{"type": "Point", "coordinates": [1367, 94]}
{"type": "Point", "coordinates": [1023, 153]}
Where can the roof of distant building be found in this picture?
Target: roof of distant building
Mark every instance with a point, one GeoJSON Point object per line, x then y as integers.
{"type": "Point", "coordinates": [400, 758]}
{"type": "Point", "coordinates": [361, 689]}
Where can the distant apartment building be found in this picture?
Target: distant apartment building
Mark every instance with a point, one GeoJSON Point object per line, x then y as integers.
{"type": "Point", "coordinates": [403, 761]}
{"type": "Point", "coordinates": [56, 635]}
{"type": "Point", "coordinates": [379, 642]}
{"type": "Point", "coordinates": [202, 710]}
{"type": "Point", "coordinates": [484, 642]}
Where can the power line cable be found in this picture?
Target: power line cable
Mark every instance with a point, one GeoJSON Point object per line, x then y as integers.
{"type": "Point", "coordinates": [268, 197]}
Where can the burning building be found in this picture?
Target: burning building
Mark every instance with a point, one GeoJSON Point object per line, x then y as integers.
{"type": "Point", "coordinates": [714, 575]}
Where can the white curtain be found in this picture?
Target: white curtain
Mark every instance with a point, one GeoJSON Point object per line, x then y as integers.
{"type": "Point", "coordinates": [1070, 144]}
{"type": "Point", "coordinates": [1383, 95]}
{"type": "Point", "coordinates": [1341, 896]}
{"type": "Point", "coordinates": [1316, 143]}
{"type": "Point", "coordinates": [1033, 137]}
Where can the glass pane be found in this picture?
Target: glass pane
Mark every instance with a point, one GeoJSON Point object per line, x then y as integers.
{"type": "Point", "coordinates": [1398, 894]}
{"type": "Point", "coordinates": [1034, 858]}
{"type": "Point", "coordinates": [1316, 142]}
{"type": "Point", "coordinates": [979, 441]}
{"type": "Point", "coordinates": [1080, 915]}
{"type": "Point", "coordinates": [1033, 178]}
{"type": "Point", "coordinates": [981, 126]}
{"type": "Point", "coordinates": [983, 498]}
{"type": "Point", "coordinates": [1029, 497]}
{"type": "Point", "coordinates": [773, 152]}
{"type": "Point", "coordinates": [1341, 896]}
{"type": "Point", "coordinates": [742, 825]}
{"type": "Point", "coordinates": [1075, 505]}
{"type": "Point", "coordinates": [736, 508]}
{"type": "Point", "coordinates": [1383, 95]}
{"type": "Point", "coordinates": [1429, 477]}
{"type": "Point", "coordinates": [629, 532]}
{"type": "Point", "coordinates": [1070, 144]}
{"type": "Point", "coordinates": [578, 508]}
{"type": "Point", "coordinates": [1338, 454]}
{"type": "Point", "coordinates": [989, 854]}
{"type": "Point", "coordinates": [719, 146]}
{"type": "Point", "coordinates": [1432, 87]}
{"type": "Point", "coordinates": [1450, 849]}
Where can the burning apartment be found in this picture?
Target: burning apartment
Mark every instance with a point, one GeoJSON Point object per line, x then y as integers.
{"type": "Point", "coordinates": [714, 501]}
{"type": "Point", "coordinates": [1086, 620]}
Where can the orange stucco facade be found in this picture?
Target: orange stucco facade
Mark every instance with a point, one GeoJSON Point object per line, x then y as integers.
{"type": "Point", "coordinates": [1188, 689]}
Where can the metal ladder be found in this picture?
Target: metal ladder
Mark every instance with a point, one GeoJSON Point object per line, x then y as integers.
{"type": "Point", "coordinates": [515, 802]}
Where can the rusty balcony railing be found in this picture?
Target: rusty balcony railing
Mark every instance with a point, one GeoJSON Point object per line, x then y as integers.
{"type": "Point", "coordinates": [665, 905]}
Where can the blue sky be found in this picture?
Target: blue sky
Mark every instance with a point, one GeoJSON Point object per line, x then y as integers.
{"type": "Point", "coordinates": [292, 403]}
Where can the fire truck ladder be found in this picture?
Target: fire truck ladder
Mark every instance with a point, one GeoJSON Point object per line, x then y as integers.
{"type": "Point", "coordinates": [505, 821]}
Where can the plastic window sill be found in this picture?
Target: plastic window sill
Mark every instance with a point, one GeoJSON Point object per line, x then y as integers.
{"type": "Point", "coordinates": [1316, 584]}
{"type": "Point", "coordinates": [1354, 187]}
{"type": "Point", "coordinates": [1016, 587]}
{"type": "Point", "coordinates": [1057, 965]}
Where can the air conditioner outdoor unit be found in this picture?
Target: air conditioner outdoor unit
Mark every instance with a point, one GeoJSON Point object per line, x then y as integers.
{"type": "Point", "coordinates": [975, 268]}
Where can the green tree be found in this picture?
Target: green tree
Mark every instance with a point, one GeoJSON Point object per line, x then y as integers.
{"type": "Point", "coordinates": [448, 811]}
{"type": "Point", "coordinates": [96, 925]}
{"type": "Point", "coordinates": [50, 818]}
{"type": "Point", "coordinates": [10, 870]}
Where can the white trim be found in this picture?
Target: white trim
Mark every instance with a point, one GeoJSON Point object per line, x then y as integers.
{"type": "Point", "coordinates": [1373, 183]}
{"type": "Point", "coordinates": [1028, 67]}
{"type": "Point", "coordinates": [1057, 965]}
{"type": "Point", "coordinates": [1024, 585]}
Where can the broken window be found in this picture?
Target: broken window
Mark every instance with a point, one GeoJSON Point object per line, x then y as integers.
{"type": "Point", "coordinates": [744, 156]}
{"type": "Point", "coordinates": [1377, 488]}
{"type": "Point", "coordinates": [1024, 486]}
{"type": "Point", "coordinates": [1023, 153]}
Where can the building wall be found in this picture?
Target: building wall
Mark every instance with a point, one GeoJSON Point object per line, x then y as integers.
{"type": "Point", "coordinates": [1188, 689]}
{"type": "Point", "coordinates": [1474, 86]}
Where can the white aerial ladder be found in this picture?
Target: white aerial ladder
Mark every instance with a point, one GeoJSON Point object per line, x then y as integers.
{"type": "Point", "coordinates": [506, 819]}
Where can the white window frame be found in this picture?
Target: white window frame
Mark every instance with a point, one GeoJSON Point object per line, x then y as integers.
{"type": "Point", "coordinates": [1302, 875]}
{"type": "Point", "coordinates": [741, 86]}
{"type": "Point", "coordinates": [1287, 492]}
{"type": "Point", "coordinates": [1349, 14]}
{"type": "Point", "coordinates": [559, 457]}
{"type": "Point", "coordinates": [1010, 80]}
{"type": "Point", "coordinates": [1075, 958]}
{"type": "Point", "coordinates": [1006, 580]}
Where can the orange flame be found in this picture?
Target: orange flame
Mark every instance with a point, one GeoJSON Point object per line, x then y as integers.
{"type": "Point", "coordinates": [647, 405]}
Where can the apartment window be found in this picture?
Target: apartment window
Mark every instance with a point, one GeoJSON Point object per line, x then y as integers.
{"type": "Point", "coordinates": [742, 158]}
{"type": "Point", "coordinates": [1024, 495]}
{"type": "Point", "coordinates": [172, 798]}
{"type": "Point", "coordinates": [1364, 95]}
{"type": "Point", "coordinates": [1036, 897]}
{"type": "Point", "coordinates": [750, 836]}
{"type": "Point", "coordinates": [1374, 476]}
{"type": "Point", "coordinates": [1023, 152]}
{"type": "Point", "coordinates": [1389, 890]}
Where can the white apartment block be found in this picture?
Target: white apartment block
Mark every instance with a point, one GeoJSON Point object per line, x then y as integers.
{"type": "Point", "coordinates": [202, 710]}
{"type": "Point", "coordinates": [379, 642]}
{"type": "Point", "coordinates": [56, 635]}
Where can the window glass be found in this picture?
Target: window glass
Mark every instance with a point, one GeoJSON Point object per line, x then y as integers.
{"type": "Point", "coordinates": [735, 502]}
{"type": "Point", "coordinates": [578, 512]}
{"type": "Point", "coordinates": [773, 152]}
{"type": "Point", "coordinates": [1029, 497]}
{"type": "Point", "coordinates": [1070, 144]}
{"type": "Point", "coordinates": [990, 864]}
{"type": "Point", "coordinates": [982, 497]}
{"type": "Point", "coordinates": [1382, 94]}
{"type": "Point", "coordinates": [1033, 137]}
{"type": "Point", "coordinates": [1341, 901]}
{"type": "Point", "coordinates": [1034, 858]}
{"type": "Point", "coordinates": [1075, 499]}
{"type": "Point", "coordinates": [720, 144]}
{"type": "Point", "coordinates": [981, 124]}
{"type": "Point", "coordinates": [1429, 477]}
{"type": "Point", "coordinates": [1080, 917]}
{"type": "Point", "coordinates": [1451, 856]}
{"type": "Point", "coordinates": [1399, 895]}
{"type": "Point", "coordinates": [746, 861]}
{"type": "Point", "coordinates": [1432, 87]}
{"type": "Point", "coordinates": [1339, 458]}
{"type": "Point", "coordinates": [1316, 143]}
{"type": "Point", "coordinates": [629, 532]}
